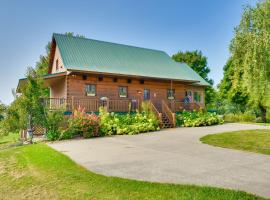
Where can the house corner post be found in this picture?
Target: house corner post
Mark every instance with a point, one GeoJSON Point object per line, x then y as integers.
{"type": "Point", "coordinates": [72, 103]}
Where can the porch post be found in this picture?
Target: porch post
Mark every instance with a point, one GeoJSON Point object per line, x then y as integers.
{"type": "Point", "coordinates": [107, 105]}
{"type": "Point", "coordinates": [72, 103]}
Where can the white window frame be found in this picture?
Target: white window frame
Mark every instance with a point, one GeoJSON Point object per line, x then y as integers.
{"type": "Point", "coordinates": [88, 89]}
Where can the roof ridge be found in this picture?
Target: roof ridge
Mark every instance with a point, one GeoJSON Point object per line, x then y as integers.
{"type": "Point", "coordinates": [84, 38]}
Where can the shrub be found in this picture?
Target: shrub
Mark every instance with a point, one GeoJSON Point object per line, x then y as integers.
{"type": "Point", "coordinates": [66, 134]}
{"type": "Point", "coordinates": [108, 122]}
{"type": "Point", "coordinates": [53, 121]}
{"type": "Point", "coordinates": [89, 125]}
{"type": "Point", "coordinates": [83, 124]}
{"type": "Point", "coordinates": [194, 119]}
{"type": "Point", "coordinates": [112, 124]}
{"type": "Point", "coordinates": [268, 115]}
{"type": "Point", "coordinates": [53, 135]}
{"type": "Point", "coordinates": [241, 117]}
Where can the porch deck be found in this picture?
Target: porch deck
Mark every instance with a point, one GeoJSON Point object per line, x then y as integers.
{"type": "Point", "coordinates": [163, 109]}
{"type": "Point", "coordinates": [113, 105]}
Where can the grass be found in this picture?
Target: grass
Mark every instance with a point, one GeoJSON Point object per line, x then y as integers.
{"type": "Point", "coordinates": [10, 139]}
{"type": "Point", "coordinates": [255, 123]}
{"type": "Point", "coordinates": [250, 140]}
{"type": "Point", "coordinates": [39, 172]}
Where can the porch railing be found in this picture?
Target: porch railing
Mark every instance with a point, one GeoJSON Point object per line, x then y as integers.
{"type": "Point", "coordinates": [90, 105]}
{"type": "Point", "coordinates": [157, 113]}
{"type": "Point", "coordinates": [177, 106]}
{"type": "Point", "coordinates": [56, 103]}
{"type": "Point", "coordinates": [121, 105]}
{"type": "Point", "coordinates": [116, 105]}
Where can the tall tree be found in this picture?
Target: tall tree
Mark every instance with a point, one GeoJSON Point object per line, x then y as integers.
{"type": "Point", "coordinates": [2, 110]}
{"type": "Point", "coordinates": [250, 57]}
{"type": "Point", "coordinates": [43, 64]}
{"type": "Point", "coordinates": [28, 103]}
{"type": "Point", "coordinates": [198, 63]}
{"type": "Point", "coordinates": [232, 94]}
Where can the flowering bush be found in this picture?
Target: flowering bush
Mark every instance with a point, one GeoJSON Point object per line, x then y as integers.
{"type": "Point", "coordinates": [83, 124]}
{"type": "Point", "coordinates": [90, 125]}
{"type": "Point", "coordinates": [112, 124]}
{"type": "Point", "coordinates": [192, 119]}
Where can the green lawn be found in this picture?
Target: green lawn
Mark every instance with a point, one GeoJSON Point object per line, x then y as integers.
{"type": "Point", "coordinates": [11, 139]}
{"type": "Point", "coordinates": [255, 123]}
{"type": "Point", "coordinates": [39, 172]}
{"type": "Point", "coordinates": [251, 140]}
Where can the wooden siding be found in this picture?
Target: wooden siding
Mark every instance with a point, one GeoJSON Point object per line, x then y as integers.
{"type": "Point", "coordinates": [108, 88]}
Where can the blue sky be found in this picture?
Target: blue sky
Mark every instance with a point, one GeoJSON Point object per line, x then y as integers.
{"type": "Point", "coordinates": [27, 26]}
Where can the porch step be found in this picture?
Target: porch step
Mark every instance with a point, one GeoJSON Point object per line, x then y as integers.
{"type": "Point", "coordinates": [166, 122]}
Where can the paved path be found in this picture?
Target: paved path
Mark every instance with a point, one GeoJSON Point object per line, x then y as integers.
{"type": "Point", "coordinates": [175, 156]}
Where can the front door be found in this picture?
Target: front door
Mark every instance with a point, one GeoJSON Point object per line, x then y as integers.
{"type": "Point", "coordinates": [146, 94]}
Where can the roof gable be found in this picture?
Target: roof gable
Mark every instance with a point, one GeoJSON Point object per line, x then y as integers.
{"type": "Point", "coordinates": [105, 57]}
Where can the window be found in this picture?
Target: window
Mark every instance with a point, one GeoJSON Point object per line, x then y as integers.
{"type": "Point", "coordinates": [189, 96]}
{"type": "Point", "coordinates": [90, 90]}
{"type": "Point", "coordinates": [197, 97]}
{"type": "Point", "coordinates": [146, 94]}
{"type": "Point", "coordinates": [170, 94]}
{"type": "Point", "coordinates": [141, 81]}
{"type": "Point", "coordinates": [115, 80]}
{"type": "Point", "coordinates": [129, 81]}
{"type": "Point", "coordinates": [57, 65]}
{"type": "Point", "coordinates": [122, 92]}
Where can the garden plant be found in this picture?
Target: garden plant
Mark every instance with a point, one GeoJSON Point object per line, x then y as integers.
{"type": "Point", "coordinates": [200, 118]}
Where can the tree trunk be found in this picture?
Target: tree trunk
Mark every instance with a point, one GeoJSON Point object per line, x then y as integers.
{"type": "Point", "coordinates": [263, 113]}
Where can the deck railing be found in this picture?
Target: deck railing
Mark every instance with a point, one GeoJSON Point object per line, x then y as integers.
{"type": "Point", "coordinates": [167, 111]}
{"type": "Point", "coordinates": [177, 106]}
{"type": "Point", "coordinates": [55, 103]}
{"type": "Point", "coordinates": [115, 105]}
{"type": "Point", "coordinates": [91, 104]}
{"type": "Point", "coordinates": [155, 111]}
{"type": "Point", "coordinates": [121, 105]}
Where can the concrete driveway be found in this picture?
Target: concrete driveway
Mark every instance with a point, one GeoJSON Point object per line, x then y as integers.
{"type": "Point", "coordinates": [174, 156]}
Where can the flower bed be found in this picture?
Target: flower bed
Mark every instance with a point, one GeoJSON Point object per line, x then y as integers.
{"type": "Point", "coordinates": [91, 125]}
{"type": "Point", "coordinates": [194, 119]}
{"type": "Point", "coordinates": [86, 125]}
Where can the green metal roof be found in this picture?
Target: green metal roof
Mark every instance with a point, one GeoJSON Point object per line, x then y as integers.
{"type": "Point", "coordinates": [104, 57]}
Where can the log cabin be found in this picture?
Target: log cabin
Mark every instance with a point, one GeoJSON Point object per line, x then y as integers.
{"type": "Point", "coordinates": [90, 73]}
